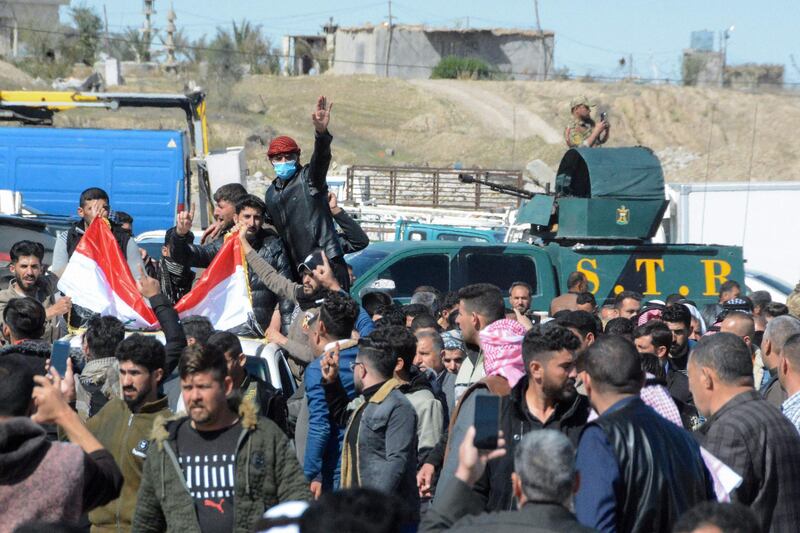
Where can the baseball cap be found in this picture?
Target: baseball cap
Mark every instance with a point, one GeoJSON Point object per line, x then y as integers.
{"type": "Point", "coordinates": [311, 262]}
{"type": "Point", "coordinates": [580, 100]}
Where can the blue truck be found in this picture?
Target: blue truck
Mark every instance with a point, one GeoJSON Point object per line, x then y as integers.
{"type": "Point", "coordinates": [146, 173]}
{"type": "Point", "coordinates": [142, 171]}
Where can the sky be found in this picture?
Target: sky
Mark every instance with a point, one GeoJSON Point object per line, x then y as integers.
{"type": "Point", "coordinates": [590, 36]}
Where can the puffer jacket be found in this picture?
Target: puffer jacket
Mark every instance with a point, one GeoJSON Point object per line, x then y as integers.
{"type": "Point", "coordinates": [267, 473]}
{"type": "Point", "coordinates": [267, 244]}
{"type": "Point", "coordinates": [299, 210]}
{"type": "Point", "coordinates": [126, 435]}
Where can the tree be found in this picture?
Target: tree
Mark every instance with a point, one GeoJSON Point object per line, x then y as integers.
{"type": "Point", "coordinates": [137, 44]}
{"type": "Point", "coordinates": [250, 46]}
{"type": "Point", "coordinates": [87, 28]}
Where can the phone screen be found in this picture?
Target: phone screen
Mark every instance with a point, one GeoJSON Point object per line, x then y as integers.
{"type": "Point", "coordinates": [59, 356]}
{"type": "Point", "coordinates": [487, 421]}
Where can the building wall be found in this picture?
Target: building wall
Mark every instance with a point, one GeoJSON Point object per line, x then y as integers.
{"type": "Point", "coordinates": [38, 14]}
{"type": "Point", "coordinates": [702, 68]}
{"type": "Point", "coordinates": [414, 52]}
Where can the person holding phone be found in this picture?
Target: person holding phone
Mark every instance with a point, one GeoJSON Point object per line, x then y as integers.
{"type": "Point", "coordinates": [41, 480]}
{"type": "Point", "coordinates": [543, 482]}
{"type": "Point", "coordinates": [583, 131]}
{"type": "Point", "coordinates": [297, 201]}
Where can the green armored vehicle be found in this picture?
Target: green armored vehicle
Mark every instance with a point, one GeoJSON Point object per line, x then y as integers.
{"type": "Point", "coordinates": [608, 205]}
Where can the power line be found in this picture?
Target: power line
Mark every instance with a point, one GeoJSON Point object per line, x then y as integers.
{"type": "Point", "coordinates": [272, 55]}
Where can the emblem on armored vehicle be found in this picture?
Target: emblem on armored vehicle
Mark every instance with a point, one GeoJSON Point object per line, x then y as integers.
{"type": "Point", "coordinates": [623, 215]}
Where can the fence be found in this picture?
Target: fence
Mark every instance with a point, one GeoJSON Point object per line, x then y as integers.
{"type": "Point", "coordinates": [430, 187]}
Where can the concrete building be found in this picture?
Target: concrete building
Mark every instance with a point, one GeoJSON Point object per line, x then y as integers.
{"type": "Point", "coordinates": [702, 68]}
{"type": "Point", "coordinates": [305, 54]}
{"type": "Point", "coordinates": [413, 51]}
{"type": "Point", "coordinates": [16, 15]}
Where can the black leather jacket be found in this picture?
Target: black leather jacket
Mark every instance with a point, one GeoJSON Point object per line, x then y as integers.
{"type": "Point", "coordinates": [494, 487]}
{"type": "Point", "coordinates": [267, 245]}
{"type": "Point", "coordinates": [662, 471]}
{"type": "Point", "coordinates": [298, 208]}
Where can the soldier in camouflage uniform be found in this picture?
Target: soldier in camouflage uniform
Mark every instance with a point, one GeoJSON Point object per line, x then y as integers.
{"type": "Point", "coordinates": [583, 131]}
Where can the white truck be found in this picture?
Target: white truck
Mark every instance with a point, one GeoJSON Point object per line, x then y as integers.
{"type": "Point", "coordinates": [761, 217]}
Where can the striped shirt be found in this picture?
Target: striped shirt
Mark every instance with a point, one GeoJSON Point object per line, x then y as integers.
{"type": "Point", "coordinates": [791, 409]}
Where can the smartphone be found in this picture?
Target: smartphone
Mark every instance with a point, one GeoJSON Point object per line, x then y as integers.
{"type": "Point", "coordinates": [603, 116]}
{"type": "Point", "coordinates": [487, 421]}
{"type": "Point", "coordinates": [59, 356]}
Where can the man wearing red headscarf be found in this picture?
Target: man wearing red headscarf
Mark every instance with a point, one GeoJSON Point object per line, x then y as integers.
{"type": "Point", "coordinates": [297, 200]}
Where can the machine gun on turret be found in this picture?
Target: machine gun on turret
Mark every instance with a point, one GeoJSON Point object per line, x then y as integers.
{"type": "Point", "coordinates": [496, 187]}
{"type": "Point", "coordinates": [610, 194]}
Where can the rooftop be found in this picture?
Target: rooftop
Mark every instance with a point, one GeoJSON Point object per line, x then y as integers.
{"type": "Point", "coordinates": [428, 29]}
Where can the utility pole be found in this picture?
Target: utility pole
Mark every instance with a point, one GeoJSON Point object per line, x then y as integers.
{"type": "Point", "coordinates": [541, 36]}
{"type": "Point", "coordinates": [172, 63]}
{"type": "Point", "coordinates": [147, 30]}
{"type": "Point", "coordinates": [389, 43]}
{"type": "Point", "coordinates": [107, 43]}
{"type": "Point", "coordinates": [630, 66]}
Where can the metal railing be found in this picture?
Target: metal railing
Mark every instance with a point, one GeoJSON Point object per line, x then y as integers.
{"type": "Point", "coordinates": [429, 187]}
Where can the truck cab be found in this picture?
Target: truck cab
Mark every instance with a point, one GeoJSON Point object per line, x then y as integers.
{"type": "Point", "coordinates": [400, 267]}
{"type": "Point", "coordinates": [408, 230]}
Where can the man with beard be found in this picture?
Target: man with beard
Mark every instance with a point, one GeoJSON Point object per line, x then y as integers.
{"type": "Point", "coordinates": [249, 216]}
{"type": "Point", "coordinates": [31, 280]}
{"type": "Point", "coordinates": [545, 398]}
{"type": "Point", "coordinates": [216, 469]}
{"type": "Point", "coordinates": [225, 200]}
{"type": "Point", "coordinates": [679, 321]}
{"type": "Point", "coordinates": [123, 426]}
{"type": "Point", "coordinates": [318, 279]}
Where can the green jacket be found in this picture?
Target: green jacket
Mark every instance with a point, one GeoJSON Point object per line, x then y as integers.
{"type": "Point", "coordinates": [126, 435]}
{"type": "Point", "coordinates": [267, 473]}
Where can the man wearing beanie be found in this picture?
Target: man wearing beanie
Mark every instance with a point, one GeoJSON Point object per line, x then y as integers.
{"type": "Point", "coordinates": [297, 201]}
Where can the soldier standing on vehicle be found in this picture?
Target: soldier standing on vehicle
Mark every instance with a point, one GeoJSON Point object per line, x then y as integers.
{"type": "Point", "coordinates": [583, 131]}
{"type": "Point", "coordinates": [297, 201]}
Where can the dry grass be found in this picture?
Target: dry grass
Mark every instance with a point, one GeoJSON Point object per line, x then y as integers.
{"type": "Point", "coordinates": [422, 127]}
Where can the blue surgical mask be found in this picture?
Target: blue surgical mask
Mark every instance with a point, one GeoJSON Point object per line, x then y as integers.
{"type": "Point", "coordinates": [285, 170]}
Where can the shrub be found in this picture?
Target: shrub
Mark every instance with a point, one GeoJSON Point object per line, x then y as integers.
{"type": "Point", "coordinates": [459, 68]}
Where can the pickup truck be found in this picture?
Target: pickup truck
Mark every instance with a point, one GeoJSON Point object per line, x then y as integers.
{"type": "Point", "coordinates": [694, 271]}
{"type": "Point", "coordinates": [607, 207]}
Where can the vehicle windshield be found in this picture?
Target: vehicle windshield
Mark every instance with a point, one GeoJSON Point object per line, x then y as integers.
{"type": "Point", "coordinates": [364, 260]}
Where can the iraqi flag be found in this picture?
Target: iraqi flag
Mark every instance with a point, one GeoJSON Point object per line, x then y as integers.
{"type": "Point", "coordinates": [98, 278]}
{"type": "Point", "coordinates": [223, 294]}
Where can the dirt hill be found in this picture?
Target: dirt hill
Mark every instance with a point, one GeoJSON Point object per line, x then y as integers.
{"type": "Point", "coordinates": [714, 134]}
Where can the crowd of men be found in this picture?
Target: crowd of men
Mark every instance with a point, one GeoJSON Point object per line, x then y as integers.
{"type": "Point", "coordinates": [621, 416]}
